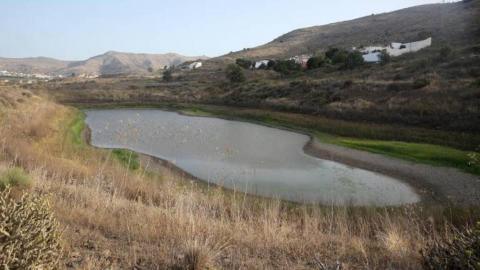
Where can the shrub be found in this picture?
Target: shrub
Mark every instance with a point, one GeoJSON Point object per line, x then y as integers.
{"type": "Point", "coordinates": [461, 253]}
{"type": "Point", "coordinates": [271, 64]}
{"type": "Point", "coordinates": [235, 74]}
{"type": "Point", "coordinates": [340, 57]}
{"type": "Point", "coordinates": [244, 63]}
{"type": "Point", "coordinates": [476, 83]}
{"type": "Point", "coordinates": [167, 75]}
{"type": "Point", "coordinates": [287, 67]}
{"type": "Point", "coordinates": [128, 158]}
{"type": "Point", "coordinates": [354, 59]}
{"type": "Point", "coordinates": [385, 58]}
{"type": "Point", "coordinates": [315, 62]}
{"type": "Point", "coordinates": [331, 53]}
{"type": "Point", "coordinates": [14, 177]}
{"type": "Point", "coordinates": [29, 237]}
{"type": "Point", "coordinates": [420, 83]}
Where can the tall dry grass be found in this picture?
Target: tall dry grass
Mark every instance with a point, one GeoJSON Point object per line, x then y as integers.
{"type": "Point", "coordinates": [116, 218]}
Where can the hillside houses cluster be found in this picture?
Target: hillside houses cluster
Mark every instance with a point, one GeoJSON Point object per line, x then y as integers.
{"type": "Point", "coordinates": [372, 54]}
{"type": "Point", "coordinates": [6, 73]}
{"type": "Point", "coordinates": [302, 60]}
{"type": "Point", "coordinates": [190, 65]}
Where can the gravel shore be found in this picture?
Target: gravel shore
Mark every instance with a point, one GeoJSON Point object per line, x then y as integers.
{"type": "Point", "coordinates": [434, 184]}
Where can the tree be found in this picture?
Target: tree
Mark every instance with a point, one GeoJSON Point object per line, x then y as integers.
{"type": "Point", "coordinates": [384, 57]}
{"type": "Point", "coordinates": [315, 62]}
{"type": "Point", "coordinates": [271, 64]}
{"type": "Point", "coordinates": [167, 75]}
{"type": "Point", "coordinates": [244, 63]}
{"type": "Point", "coordinates": [354, 59]}
{"type": "Point", "coordinates": [340, 57]}
{"type": "Point", "coordinates": [150, 69]}
{"type": "Point", "coordinates": [234, 73]}
{"type": "Point", "coordinates": [286, 66]}
{"type": "Point", "coordinates": [331, 53]}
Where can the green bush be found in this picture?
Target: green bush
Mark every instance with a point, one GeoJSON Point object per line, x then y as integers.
{"type": "Point", "coordinates": [14, 177]}
{"type": "Point", "coordinates": [315, 62]}
{"type": "Point", "coordinates": [235, 74]}
{"type": "Point", "coordinates": [385, 58]}
{"type": "Point", "coordinates": [331, 53]}
{"type": "Point", "coordinates": [128, 158]}
{"type": "Point", "coordinates": [354, 59]}
{"type": "Point", "coordinates": [29, 234]}
{"type": "Point", "coordinates": [244, 63]}
{"type": "Point", "coordinates": [336, 56]}
{"type": "Point", "coordinates": [340, 57]}
{"type": "Point", "coordinates": [420, 83]}
{"type": "Point", "coordinates": [287, 67]}
{"type": "Point", "coordinates": [167, 75]}
{"type": "Point", "coordinates": [476, 83]}
{"type": "Point", "coordinates": [463, 252]}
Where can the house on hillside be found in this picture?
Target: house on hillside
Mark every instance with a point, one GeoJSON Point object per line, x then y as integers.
{"type": "Point", "coordinates": [397, 49]}
{"type": "Point", "coordinates": [261, 64]}
{"type": "Point", "coordinates": [189, 65]}
{"type": "Point", "coordinates": [301, 59]}
{"type": "Point", "coordinates": [372, 54]}
{"type": "Point", "coordinates": [195, 65]}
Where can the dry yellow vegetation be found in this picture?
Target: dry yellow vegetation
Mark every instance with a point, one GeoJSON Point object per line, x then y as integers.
{"type": "Point", "coordinates": [112, 217]}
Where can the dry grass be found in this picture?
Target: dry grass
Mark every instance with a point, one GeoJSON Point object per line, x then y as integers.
{"type": "Point", "coordinates": [116, 218]}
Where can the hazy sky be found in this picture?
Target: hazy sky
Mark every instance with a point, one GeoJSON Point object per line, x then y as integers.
{"type": "Point", "coordinates": [74, 30]}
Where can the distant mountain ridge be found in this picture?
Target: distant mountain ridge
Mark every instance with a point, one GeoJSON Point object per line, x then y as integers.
{"type": "Point", "coordinates": [449, 23]}
{"type": "Point", "coordinates": [109, 63]}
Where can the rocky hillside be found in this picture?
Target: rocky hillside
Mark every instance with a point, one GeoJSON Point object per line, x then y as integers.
{"type": "Point", "coordinates": [125, 63]}
{"type": "Point", "coordinates": [105, 64]}
{"type": "Point", "coordinates": [453, 23]}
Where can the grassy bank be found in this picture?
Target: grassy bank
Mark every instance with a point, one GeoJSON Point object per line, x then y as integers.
{"type": "Point", "coordinates": [76, 128]}
{"type": "Point", "coordinates": [425, 153]}
{"type": "Point", "coordinates": [76, 137]}
{"type": "Point", "coordinates": [115, 218]}
{"type": "Point", "coordinates": [432, 147]}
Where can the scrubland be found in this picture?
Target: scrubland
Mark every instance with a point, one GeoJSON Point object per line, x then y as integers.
{"type": "Point", "coordinates": [112, 216]}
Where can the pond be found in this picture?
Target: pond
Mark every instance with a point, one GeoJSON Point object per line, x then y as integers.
{"type": "Point", "coordinates": [245, 157]}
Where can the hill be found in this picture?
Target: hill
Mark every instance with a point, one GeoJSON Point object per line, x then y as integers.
{"type": "Point", "coordinates": [125, 63]}
{"type": "Point", "coordinates": [32, 65]}
{"type": "Point", "coordinates": [106, 64]}
{"type": "Point", "coordinates": [452, 23]}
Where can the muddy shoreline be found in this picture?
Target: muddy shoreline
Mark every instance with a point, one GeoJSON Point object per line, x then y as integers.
{"type": "Point", "coordinates": [434, 184]}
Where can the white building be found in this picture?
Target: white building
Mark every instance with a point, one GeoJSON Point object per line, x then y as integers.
{"type": "Point", "coordinates": [372, 54]}
{"type": "Point", "coordinates": [195, 65]}
{"type": "Point", "coordinates": [397, 49]}
{"type": "Point", "coordinates": [372, 57]}
{"type": "Point", "coordinates": [261, 63]}
{"type": "Point", "coordinates": [301, 59]}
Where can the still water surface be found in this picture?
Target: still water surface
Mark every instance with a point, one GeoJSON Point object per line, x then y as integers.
{"type": "Point", "coordinates": [243, 156]}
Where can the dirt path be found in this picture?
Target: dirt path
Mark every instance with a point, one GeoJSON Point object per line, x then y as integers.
{"type": "Point", "coordinates": [435, 184]}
